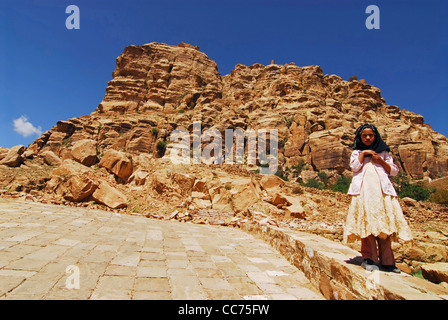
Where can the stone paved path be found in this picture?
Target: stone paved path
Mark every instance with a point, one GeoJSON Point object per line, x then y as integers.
{"type": "Point", "coordinates": [54, 252]}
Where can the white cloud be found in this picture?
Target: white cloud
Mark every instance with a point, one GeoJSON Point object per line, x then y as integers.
{"type": "Point", "coordinates": [25, 128]}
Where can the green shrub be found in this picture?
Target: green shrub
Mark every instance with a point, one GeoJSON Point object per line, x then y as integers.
{"type": "Point", "coordinates": [300, 166]}
{"type": "Point", "coordinates": [323, 176]}
{"type": "Point", "coordinates": [313, 183]}
{"type": "Point", "coordinates": [161, 147]}
{"type": "Point", "coordinates": [342, 184]}
{"type": "Point", "coordinates": [415, 191]}
{"type": "Point", "coordinates": [281, 175]}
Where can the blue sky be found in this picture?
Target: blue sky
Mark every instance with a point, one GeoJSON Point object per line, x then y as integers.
{"type": "Point", "coordinates": [49, 73]}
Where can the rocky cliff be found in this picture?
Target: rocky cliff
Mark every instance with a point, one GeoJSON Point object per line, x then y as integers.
{"type": "Point", "coordinates": [157, 88]}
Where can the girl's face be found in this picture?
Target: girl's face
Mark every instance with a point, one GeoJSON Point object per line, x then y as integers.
{"type": "Point", "coordinates": [367, 136]}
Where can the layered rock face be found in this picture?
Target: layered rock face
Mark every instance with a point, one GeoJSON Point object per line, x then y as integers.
{"type": "Point", "coordinates": [157, 88]}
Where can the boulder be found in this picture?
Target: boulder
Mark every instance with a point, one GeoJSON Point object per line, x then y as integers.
{"type": "Point", "coordinates": [160, 182]}
{"type": "Point", "coordinates": [51, 158]}
{"type": "Point", "coordinates": [118, 163]}
{"type": "Point", "coordinates": [243, 194]}
{"type": "Point", "coordinates": [84, 151]}
{"type": "Point", "coordinates": [428, 252]}
{"type": "Point", "coordinates": [200, 186]}
{"type": "Point", "coordinates": [14, 156]}
{"type": "Point", "coordinates": [221, 198]}
{"type": "Point", "coordinates": [109, 196]}
{"type": "Point", "coordinates": [295, 210]}
{"type": "Point", "coordinates": [199, 203]}
{"type": "Point", "coordinates": [139, 177]}
{"type": "Point", "coordinates": [269, 181]}
{"type": "Point", "coordinates": [279, 200]}
{"type": "Point", "coordinates": [79, 187]}
{"type": "Point", "coordinates": [3, 152]}
{"type": "Point", "coordinates": [200, 195]}
{"type": "Point", "coordinates": [185, 182]}
{"type": "Point", "coordinates": [435, 272]}
{"type": "Point", "coordinates": [70, 167]}
{"type": "Point", "coordinates": [410, 202]}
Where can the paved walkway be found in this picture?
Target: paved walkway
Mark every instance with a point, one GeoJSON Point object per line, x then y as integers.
{"type": "Point", "coordinates": [55, 252]}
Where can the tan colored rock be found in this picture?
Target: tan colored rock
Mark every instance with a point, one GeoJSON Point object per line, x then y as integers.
{"type": "Point", "coordinates": [51, 159]}
{"type": "Point", "coordinates": [435, 272]}
{"type": "Point", "coordinates": [200, 186]}
{"type": "Point", "coordinates": [185, 182]}
{"type": "Point", "coordinates": [170, 72]}
{"type": "Point", "coordinates": [410, 202]}
{"type": "Point", "coordinates": [428, 252]}
{"type": "Point", "coordinates": [269, 181]}
{"type": "Point", "coordinates": [14, 156]}
{"type": "Point", "coordinates": [199, 203]}
{"type": "Point", "coordinates": [295, 210]}
{"type": "Point", "coordinates": [79, 187]}
{"type": "Point", "coordinates": [55, 141]}
{"type": "Point", "coordinates": [70, 167]}
{"type": "Point", "coordinates": [221, 199]}
{"type": "Point", "coordinates": [85, 152]}
{"type": "Point", "coordinates": [139, 177]}
{"type": "Point", "coordinates": [141, 141]}
{"type": "Point", "coordinates": [109, 196]}
{"type": "Point", "coordinates": [243, 194]}
{"type": "Point", "coordinates": [160, 183]}
{"type": "Point", "coordinates": [200, 195]}
{"type": "Point", "coordinates": [3, 152]}
{"type": "Point", "coordinates": [165, 87]}
{"type": "Point", "coordinates": [118, 163]}
{"type": "Point", "coordinates": [279, 200]}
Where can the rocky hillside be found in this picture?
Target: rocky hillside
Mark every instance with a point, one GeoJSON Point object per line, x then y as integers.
{"type": "Point", "coordinates": [117, 156]}
{"type": "Point", "coordinates": [157, 88]}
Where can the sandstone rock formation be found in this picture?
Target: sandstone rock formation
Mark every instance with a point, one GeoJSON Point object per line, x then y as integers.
{"type": "Point", "coordinates": [157, 88]}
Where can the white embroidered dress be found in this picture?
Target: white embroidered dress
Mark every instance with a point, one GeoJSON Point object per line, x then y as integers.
{"type": "Point", "coordinates": [373, 212]}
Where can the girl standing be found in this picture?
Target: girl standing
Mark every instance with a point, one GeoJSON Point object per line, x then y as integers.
{"type": "Point", "coordinates": [374, 215]}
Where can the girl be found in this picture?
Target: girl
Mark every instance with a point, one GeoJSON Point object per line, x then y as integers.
{"type": "Point", "coordinates": [374, 214]}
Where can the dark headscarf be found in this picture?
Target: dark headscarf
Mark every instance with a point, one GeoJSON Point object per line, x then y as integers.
{"type": "Point", "coordinates": [378, 145]}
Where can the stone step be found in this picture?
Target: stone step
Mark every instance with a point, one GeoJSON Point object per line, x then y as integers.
{"type": "Point", "coordinates": [336, 271]}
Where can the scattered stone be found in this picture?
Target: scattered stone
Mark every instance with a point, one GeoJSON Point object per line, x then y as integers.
{"type": "Point", "coordinates": [109, 196]}
{"type": "Point", "coordinates": [435, 272]}
{"type": "Point", "coordinates": [14, 156]}
{"type": "Point", "coordinates": [51, 158]}
{"type": "Point", "coordinates": [84, 151]}
{"type": "Point", "coordinates": [118, 163]}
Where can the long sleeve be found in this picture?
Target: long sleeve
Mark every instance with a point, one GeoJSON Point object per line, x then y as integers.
{"type": "Point", "coordinates": [355, 165]}
{"type": "Point", "coordinates": [390, 161]}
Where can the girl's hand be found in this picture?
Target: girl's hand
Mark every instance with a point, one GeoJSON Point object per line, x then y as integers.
{"type": "Point", "coordinates": [366, 153]}
{"type": "Point", "coordinates": [369, 153]}
{"type": "Point", "coordinates": [377, 159]}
